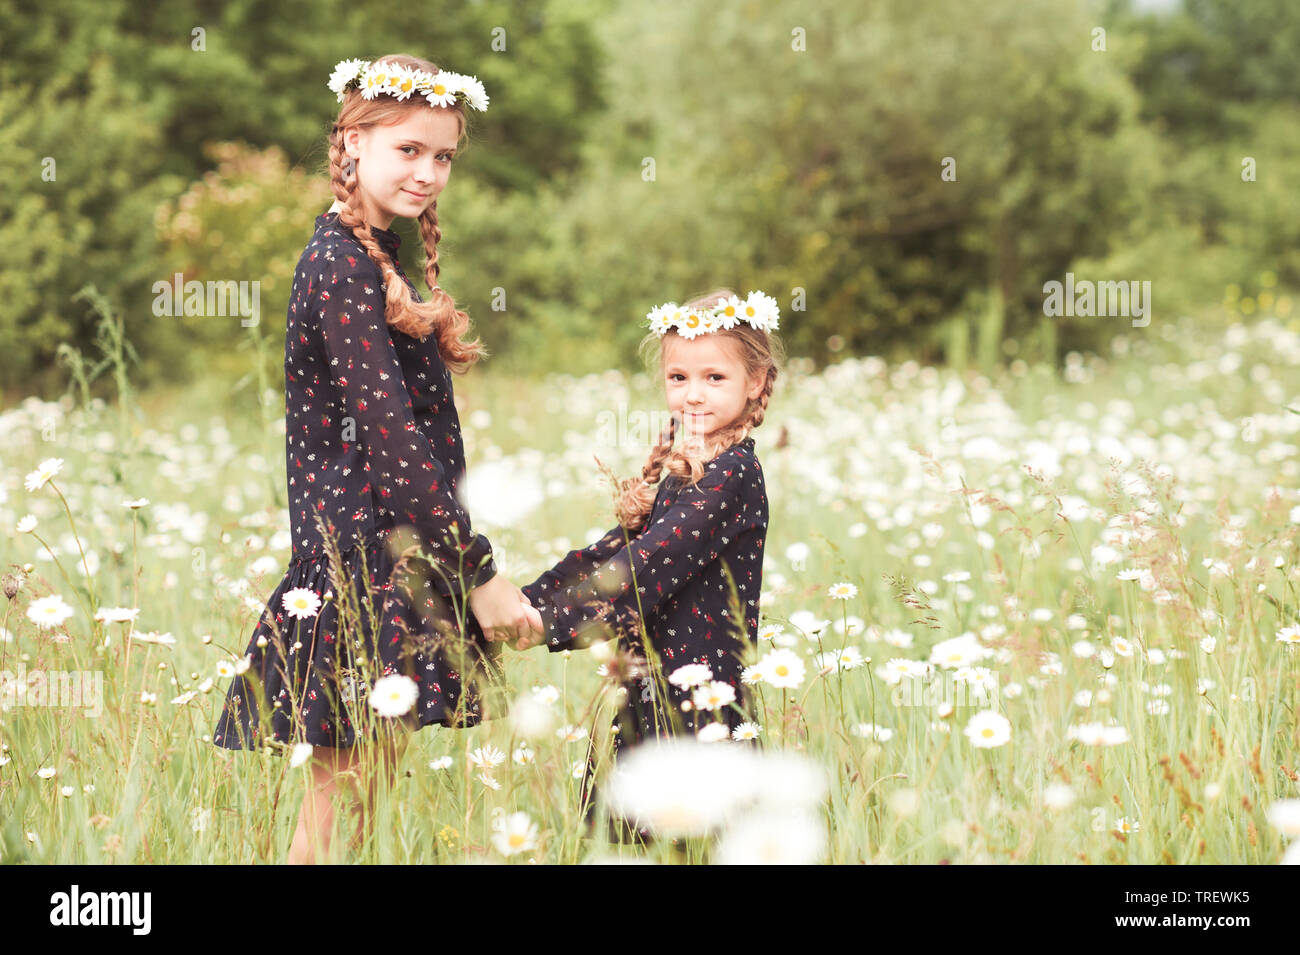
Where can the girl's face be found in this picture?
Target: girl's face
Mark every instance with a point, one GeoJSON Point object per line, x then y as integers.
{"type": "Point", "coordinates": [705, 381]}
{"type": "Point", "coordinates": [403, 168]}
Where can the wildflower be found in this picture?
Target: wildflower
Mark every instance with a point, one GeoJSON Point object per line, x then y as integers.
{"type": "Point", "coordinates": [488, 781]}
{"type": "Point", "coordinates": [300, 754]}
{"type": "Point", "coordinates": [690, 675]}
{"type": "Point", "coordinates": [442, 762]}
{"type": "Point", "coordinates": [1285, 815]}
{"type": "Point", "coordinates": [44, 471]}
{"type": "Point", "coordinates": [1289, 634]}
{"type": "Point", "coordinates": [26, 525]}
{"type": "Point", "coordinates": [771, 837]}
{"type": "Point", "coordinates": [116, 614]}
{"type": "Point", "coordinates": [47, 612]}
{"type": "Point", "coordinates": [301, 603]}
{"type": "Point", "coordinates": [782, 668]}
{"type": "Point", "coordinates": [881, 734]}
{"type": "Point", "coordinates": [746, 731]}
{"type": "Point", "coordinates": [46, 772]}
{"type": "Point", "coordinates": [1125, 825]}
{"type": "Point", "coordinates": [713, 696]}
{"type": "Point", "coordinates": [393, 695]}
{"type": "Point", "coordinates": [713, 733]}
{"type": "Point", "coordinates": [523, 755]}
{"type": "Point", "coordinates": [988, 729]}
{"type": "Point", "coordinates": [514, 833]}
{"type": "Point", "coordinates": [486, 757]}
{"type": "Point", "coordinates": [1121, 646]}
{"type": "Point", "coordinates": [842, 591]}
{"type": "Point", "coordinates": [546, 695]}
{"type": "Point", "coordinates": [1058, 796]}
{"type": "Point", "coordinates": [571, 734]}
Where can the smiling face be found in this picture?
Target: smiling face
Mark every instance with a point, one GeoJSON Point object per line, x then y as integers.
{"type": "Point", "coordinates": [404, 167]}
{"type": "Point", "coordinates": [705, 381]}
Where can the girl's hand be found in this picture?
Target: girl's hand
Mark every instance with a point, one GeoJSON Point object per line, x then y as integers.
{"type": "Point", "coordinates": [535, 621]}
{"type": "Point", "coordinates": [497, 607]}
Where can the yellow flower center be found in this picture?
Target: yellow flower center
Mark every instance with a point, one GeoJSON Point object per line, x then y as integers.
{"type": "Point", "coordinates": [987, 732]}
{"type": "Point", "coordinates": [515, 840]}
{"type": "Point", "coordinates": [406, 84]}
{"type": "Point", "coordinates": [782, 670]}
{"type": "Point", "coordinates": [750, 312]}
{"type": "Point", "coordinates": [439, 89]}
{"type": "Point", "coordinates": [692, 320]}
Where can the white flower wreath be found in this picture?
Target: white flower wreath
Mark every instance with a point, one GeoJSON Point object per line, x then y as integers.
{"type": "Point", "coordinates": [440, 89]}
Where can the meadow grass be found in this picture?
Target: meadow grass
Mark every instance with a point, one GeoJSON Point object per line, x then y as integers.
{"type": "Point", "coordinates": [1104, 555]}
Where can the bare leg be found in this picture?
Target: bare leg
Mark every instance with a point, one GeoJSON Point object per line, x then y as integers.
{"type": "Point", "coordinates": [347, 770]}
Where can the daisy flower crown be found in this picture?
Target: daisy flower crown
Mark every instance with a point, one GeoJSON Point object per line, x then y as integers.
{"type": "Point", "coordinates": [440, 89]}
{"type": "Point", "coordinates": [756, 310]}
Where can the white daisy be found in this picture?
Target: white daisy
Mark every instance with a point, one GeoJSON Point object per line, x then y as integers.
{"type": "Point", "coordinates": [344, 73]}
{"type": "Point", "coordinates": [728, 312]}
{"type": "Point", "coordinates": [474, 93]}
{"type": "Point", "coordinates": [442, 762]}
{"type": "Point", "coordinates": [690, 324]}
{"type": "Point", "coordinates": [546, 694]}
{"type": "Point", "coordinates": [746, 731]}
{"type": "Point", "coordinates": [300, 753]}
{"type": "Point", "coordinates": [765, 837]}
{"type": "Point", "coordinates": [761, 311]}
{"type": "Point", "coordinates": [401, 82]}
{"type": "Point", "coordinates": [988, 729]}
{"type": "Point", "coordinates": [572, 734]}
{"type": "Point", "coordinates": [713, 733]}
{"type": "Point", "coordinates": [708, 321]}
{"type": "Point", "coordinates": [393, 695]}
{"type": "Point", "coordinates": [514, 833]}
{"type": "Point", "coordinates": [442, 89]}
{"type": "Point", "coordinates": [842, 591]}
{"type": "Point", "coordinates": [301, 603]}
{"type": "Point", "coordinates": [1285, 815]}
{"type": "Point", "coordinates": [138, 503]}
{"type": "Point", "coordinates": [185, 697]}
{"type": "Point", "coordinates": [523, 755]}
{"type": "Point", "coordinates": [47, 612]}
{"type": "Point", "coordinates": [769, 631]}
{"type": "Point", "coordinates": [661, 317]}
{"type": "Point", "coordinates": [1058, 796]}
{"type": "Point", "coordinates": [1121, 646]}
{"type": "Point", "coordinates": [26, 525]}
{"type": "Point", "coordinates": [881, 734]}
{"type": "Point", "coordinates": [489, 781]}
{"type": "Point", "coordinates": [117, 614]}
{"type": "Point", "coordinates": [486, 757]}
{"type": "Point", "coordinates": [713, 696]}
{"type": "Point", "coordinates": [153, 636]}
{"type": "Point", "coordinates": [44, 471]}
{"type": "Point", "coordinates": [46, 772]}
{"type": "Point", "coordinates": [1125, 825]}
{"type": "Point", "coordinates": [1289, 634]}
{"type": "Point", "coordinates": [782, 668]}
{"type": "Point", "coordinates": [690, 675]}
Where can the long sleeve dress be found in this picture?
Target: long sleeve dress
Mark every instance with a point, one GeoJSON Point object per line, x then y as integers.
{"type": "Point", "coordinates": [693, 538]}
{"type": "Point", "coordinates": [372, 444]}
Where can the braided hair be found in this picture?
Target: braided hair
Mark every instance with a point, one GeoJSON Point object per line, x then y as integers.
{"type": "Point", "coordinates": [760, 354]}
{"type": "Point", "coordinates": [439, 315]}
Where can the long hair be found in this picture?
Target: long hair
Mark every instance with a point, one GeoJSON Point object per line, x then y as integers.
{"type": "Point", "coordinates": [439, 315]}
{"type": "Point", "coordinates": [760, 353]}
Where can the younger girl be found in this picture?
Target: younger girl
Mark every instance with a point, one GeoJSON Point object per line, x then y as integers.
{"type": "Point", "coordinates": [684, 567]}
{"type": "Point", "coordinates": [373, 445]}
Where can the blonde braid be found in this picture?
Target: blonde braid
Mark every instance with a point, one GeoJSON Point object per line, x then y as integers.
{"type": "Point", "coordinates": [453, 323]}
{"type": "Point", "coordinates": [636, 495]}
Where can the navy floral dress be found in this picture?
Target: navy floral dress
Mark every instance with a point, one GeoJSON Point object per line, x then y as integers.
{"type": "Point", "coordinates": [374, 460]}
{"type": "Point", "coordinates": [694, 537]}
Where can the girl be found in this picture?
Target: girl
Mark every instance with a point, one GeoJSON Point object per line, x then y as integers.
{"type": "Point", "coordinates": [665, 575]}
{"type": "Point", "coordinates": [373, 444]}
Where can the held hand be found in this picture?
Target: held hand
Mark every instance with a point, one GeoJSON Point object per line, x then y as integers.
{"type": "Point", "coordinates": [531, 639]}
{"type": "Point", "coordinates": [499, 611]}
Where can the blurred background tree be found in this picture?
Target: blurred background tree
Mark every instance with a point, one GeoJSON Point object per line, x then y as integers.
{"type": "Point", "coordinates": [638, 153]}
